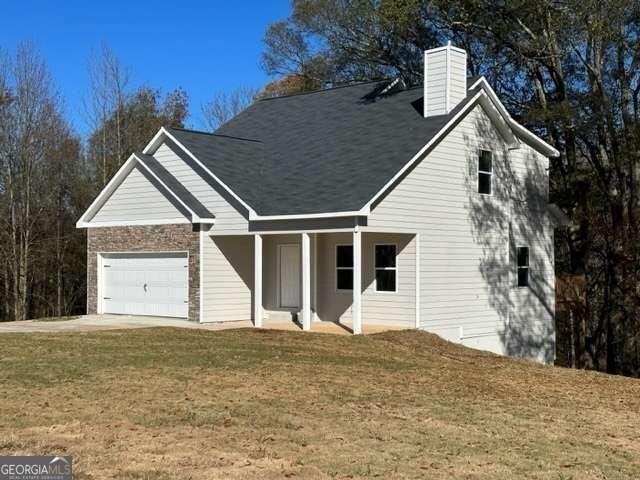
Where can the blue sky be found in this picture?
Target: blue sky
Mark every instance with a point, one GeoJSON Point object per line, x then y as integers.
{"type": "Point", "coordinates": [203, 47]}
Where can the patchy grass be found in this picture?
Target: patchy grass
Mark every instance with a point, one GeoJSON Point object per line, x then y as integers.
{"type": "Point", "coordinates": [56, 319]}
{"type": "Point", "coordinates": [178, 403]}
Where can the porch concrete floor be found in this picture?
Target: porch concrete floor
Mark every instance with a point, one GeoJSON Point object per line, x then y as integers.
{"type": "Point", "coordinates": [88, 323]}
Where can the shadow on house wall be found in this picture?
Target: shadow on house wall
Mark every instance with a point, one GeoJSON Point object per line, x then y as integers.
{"type": "Point", "coordinates": [515, 215]}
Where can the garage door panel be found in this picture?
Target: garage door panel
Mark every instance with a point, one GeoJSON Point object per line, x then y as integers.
{"type": "Point", "coordinates": [155, 284]}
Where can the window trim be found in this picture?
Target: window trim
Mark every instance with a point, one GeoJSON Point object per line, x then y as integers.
{"type": "Point", "coordinates": [527, 267]}
{"type": "Point", "coordinates": [336, 268]}
{"type": "Point", "coordinates": [478, 172]}
{"type": "Point", "coordinates": [375, 269]}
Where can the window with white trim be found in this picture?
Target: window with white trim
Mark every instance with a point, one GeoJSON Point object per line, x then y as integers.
{"type": "Point", "coordinates": [344, 267]}
{"type": "Point", "coordinates": [485, 172]}
{"type": "Point", "coordinates": [386, 268]}
{"type": "Point", "coordinates": [522, 254]}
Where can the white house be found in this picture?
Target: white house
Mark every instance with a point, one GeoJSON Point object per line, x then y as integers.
{"type": "Point", "coordinates": [432, 201]}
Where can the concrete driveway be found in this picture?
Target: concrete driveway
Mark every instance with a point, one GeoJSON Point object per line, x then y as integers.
{"type": "Point", "coordinates": [89, 323]}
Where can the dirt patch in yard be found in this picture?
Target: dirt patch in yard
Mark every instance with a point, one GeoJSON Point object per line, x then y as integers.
{"type": "Point", "coordinates": [176, 403]}
{"type": "Point", "coordinates": [57, 319]}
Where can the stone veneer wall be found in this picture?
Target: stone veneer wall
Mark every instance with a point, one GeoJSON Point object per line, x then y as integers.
{"type": "Point", "coordinates": [147, 238]}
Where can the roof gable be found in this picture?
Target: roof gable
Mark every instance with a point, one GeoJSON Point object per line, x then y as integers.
{"type": "Point", "coordinates": [527, 136]}
{"type": "Point", "coordinates": [138, 198]}
{"type": "Point", "coordinates": [150, 184]}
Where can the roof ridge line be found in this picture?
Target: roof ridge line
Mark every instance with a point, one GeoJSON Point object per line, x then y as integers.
{"type": "Point", "coordinates": [356, 84]}
{"type": "Point", "coordinates": [244, 139]}
{"type": "Point", "coordinates": [213, 134]}
{"type": "Point", "coordinates": [322, 90]}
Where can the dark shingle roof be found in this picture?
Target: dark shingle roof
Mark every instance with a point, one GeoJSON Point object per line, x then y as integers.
{"type": "Point", "coordinates": [326, 151]}
{"type": "Point", "coordinates": [175, 186]}
{"type": "Point", "coordinates": [235, 161]}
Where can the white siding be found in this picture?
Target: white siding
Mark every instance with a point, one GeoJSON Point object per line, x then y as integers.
{"type": "Point", "coordinates": [137, 199]}
{"type": "Point", "coordinates": [227, 269]}
{"type": "Point", "coordinates": [533, 307]}
{"type": "Point", "coordinates": [445, 80]}
{"type": "Point", "coordinates": [390, 308]}
{"type": "Point", "coordinates": [435, 78]}
{"type": "Point", "coordinates": [227, 218]}
{"type": "Point", "coordinates": [228, 264]}
{"type": "Point", "coordinates": [467, 263]}
{"type": "Point", "coordinates": [458, 78]}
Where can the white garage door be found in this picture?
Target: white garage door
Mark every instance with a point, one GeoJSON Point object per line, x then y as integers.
{"type": "Point", "coordinates": [154, 284]}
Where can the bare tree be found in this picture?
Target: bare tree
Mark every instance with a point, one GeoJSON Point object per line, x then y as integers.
{"type": "Point", "coordinates": [106, 99]}
{"type": "Point", "coordinates": [5, 122]}
{"type": "Point", "coordinates": [30, 105]}
{"type": "Point", "coordinates": [46, 182]}
{"type": "Point", "coordinates": [226, 105]}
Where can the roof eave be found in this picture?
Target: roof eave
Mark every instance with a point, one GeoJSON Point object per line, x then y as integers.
{"type": "Point", "coordinates": [363, 212]}
{"type": "Point", "coordinates": [538, 142]}
{"type": "Point", "coordinates": [84, 220]}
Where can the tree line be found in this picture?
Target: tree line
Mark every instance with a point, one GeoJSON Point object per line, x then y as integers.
{"type": "Point", "coordinates": [49, 174]}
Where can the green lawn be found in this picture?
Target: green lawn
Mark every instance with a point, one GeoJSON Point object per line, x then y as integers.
{"type": "Point", "coordinates": [178, 403]}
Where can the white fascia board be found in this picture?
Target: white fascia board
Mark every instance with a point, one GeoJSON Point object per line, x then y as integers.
{"type": "Point", "coordinates": [431, 142]}
{"type": "Point", "coordinates": [132, 223]}
{"type": "Point", "coordinates": [482, 82]}
{"type": "Point", "coordinates": [548, 149]}
{"type": "Point", "coordinates": [298, 232]}
{"type": "Point", "coordinates": [158, 138]}
{"type": "Point", "coordinates": [446, 47]}
{"type": "Point", "coordinates": [542, 145]}
{"type": "Point", "coordinates": [477, 82]}
{"type": "Point", "coordinates": [403, 231]}
{"type": "Point", "coordinates": [500, 122]}
{"type": "Point", "coordinates": [358, 213]}
{"type": "Point", "coordinates": [106, 192]}
{"type": "Point", "coordinates": [155, 141]}
{"type": "Point", "coordinates": [226, 233]}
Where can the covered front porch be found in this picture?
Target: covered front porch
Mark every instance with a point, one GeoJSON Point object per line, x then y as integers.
{"type": "Point", "coordinates": [306, 280]}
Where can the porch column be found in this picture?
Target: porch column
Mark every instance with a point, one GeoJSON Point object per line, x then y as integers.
{"type": "Point", "coordinates": [257, 281]}
{"type": "Point", "coordinates": [417, 256]}
{"type": "Point", "coordinates": [315, 277]}
{"type": "Point", "coordinates": [356, 309]}
{"type": "Point", "coordinates": [306, 282]}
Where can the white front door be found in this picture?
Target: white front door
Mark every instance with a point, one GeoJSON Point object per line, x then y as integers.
{"type": "Point", "coordinates": [155, 284]}
{"type": "Point", "coordinates": [289, 276]}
